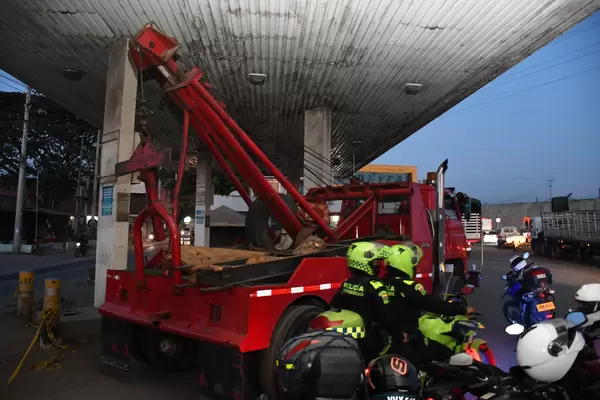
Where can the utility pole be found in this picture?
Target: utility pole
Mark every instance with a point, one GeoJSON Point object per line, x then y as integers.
{"type": "Point", "coordinates": [21, 184]}
{"type": "Point", "coordinates": [550, 186]}
{"type": "Point", "coordinates": [78, 192]}
{"type": "Point", "coordinates": [95, 187]}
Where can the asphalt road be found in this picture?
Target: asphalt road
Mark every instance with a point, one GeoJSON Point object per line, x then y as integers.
{"type": "Point", "coordinates": [69, 277]}
{"type": "Point", "coordinates": [567, 278]}
{"type": "Point", "coordinates": [83, 377]}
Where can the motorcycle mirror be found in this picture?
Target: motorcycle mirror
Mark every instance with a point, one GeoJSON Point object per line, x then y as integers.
{"type": "Point", "coordinates": [576, 318]}
{"type": "Point", "coordinates": [526, 256]}
{"type": "Point", "coordinates": [514, 329]}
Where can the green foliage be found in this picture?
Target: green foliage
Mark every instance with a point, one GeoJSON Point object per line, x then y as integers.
{"type": "Point", "coordinates": [53, 146]}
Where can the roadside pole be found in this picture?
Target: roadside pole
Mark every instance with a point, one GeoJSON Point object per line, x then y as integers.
{"type": "Point", "coordinates": [21, 185]}
{"type": "Point", "coordinates": [78, 193]}
{"type": "Point", "coordinates": [95, 187]}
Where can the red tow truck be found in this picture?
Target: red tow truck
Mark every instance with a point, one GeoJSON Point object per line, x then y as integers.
{"type": "Point", "coordinates": [230, 319]}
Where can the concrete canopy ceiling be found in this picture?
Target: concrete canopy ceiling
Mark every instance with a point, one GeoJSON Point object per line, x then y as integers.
{"type": "Point", "coordinates": [354, 56]}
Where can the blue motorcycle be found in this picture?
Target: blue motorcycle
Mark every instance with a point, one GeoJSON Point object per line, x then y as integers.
{"type": "Point", "coordinates": [531, 298]}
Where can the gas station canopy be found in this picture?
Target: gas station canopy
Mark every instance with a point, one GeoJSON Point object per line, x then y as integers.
{"type": "Point", "coordinates": [386, 68]}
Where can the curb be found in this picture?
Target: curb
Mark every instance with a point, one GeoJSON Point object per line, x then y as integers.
{"type": "Point", "coordinates": [48, 269]}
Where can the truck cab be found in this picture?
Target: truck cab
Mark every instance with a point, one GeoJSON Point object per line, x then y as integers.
{"type": "Point", "coordinates": [408, 212]}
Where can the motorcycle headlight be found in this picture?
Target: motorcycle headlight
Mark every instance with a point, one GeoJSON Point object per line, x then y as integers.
{"type": "Point", "coordinates": [78, 244]}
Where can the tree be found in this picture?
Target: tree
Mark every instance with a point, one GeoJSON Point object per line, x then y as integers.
{"type": "Point", "coordinates": [53, 147]}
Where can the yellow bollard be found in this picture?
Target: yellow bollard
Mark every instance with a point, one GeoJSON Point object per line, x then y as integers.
{"type": "Point", "coordinates": [51, 310]}
{"type": "Point", "coordinates": [25, 295]}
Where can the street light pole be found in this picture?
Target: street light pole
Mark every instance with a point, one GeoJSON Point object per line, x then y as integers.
{"type": "Point", "coordinates": [37, 202]}
{"type": "Point", "coordinates": [78, 192]}
{"type": "Point", "coordinates": [21, 184]}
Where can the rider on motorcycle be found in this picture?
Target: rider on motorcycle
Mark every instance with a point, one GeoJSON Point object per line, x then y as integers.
{"type": "Point", "coordinates": [529, 275]}
{"type": "Point", "coordinates": [412, 297]}
{"type": "Point", "coordinates": [366, 296]}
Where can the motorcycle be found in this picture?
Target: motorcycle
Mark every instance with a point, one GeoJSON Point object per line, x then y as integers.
{"type": "Point", "coordinates": [458, 333]}
{"type": "Point", "coordinates": [80, 249]}
{"type": "Point", "coordinates": [531, 299]}
{"type": "Point", "coordinates": [461, 376]}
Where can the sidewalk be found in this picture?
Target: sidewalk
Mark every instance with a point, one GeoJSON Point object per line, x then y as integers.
{"type": "Point", "coordinates": [11, 264]}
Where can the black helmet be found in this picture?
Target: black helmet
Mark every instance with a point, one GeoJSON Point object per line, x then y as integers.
{"type": "Point", "coordinates": [392, 375]}
{"type": "Point", "coordinates": [319, 365]}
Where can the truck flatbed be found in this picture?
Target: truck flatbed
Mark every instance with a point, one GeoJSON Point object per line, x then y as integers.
{"type": "Point", "coordinates": [582, 226]}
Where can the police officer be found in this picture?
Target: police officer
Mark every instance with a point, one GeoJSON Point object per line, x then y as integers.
{"type": "Point", "coordinates": [411, 297]}
{"type": "Point", "coordinates": [366, 295]}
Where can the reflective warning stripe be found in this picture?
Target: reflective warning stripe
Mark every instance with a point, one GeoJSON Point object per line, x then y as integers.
{"type": "Point", "coordinates": [423, 275]}
{"type": "Point", "coordinates": [355, 332]}
{"type": "Point", "coordinates": [295, 290]}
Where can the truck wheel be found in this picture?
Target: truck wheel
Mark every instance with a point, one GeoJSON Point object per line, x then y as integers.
{"type": "Point", "coordinates": [257, 225]}
{"type": "Point", "coordinates": [555, 251]}
{"type": "Point", "coordinates": [170, 352]}
{"type": "Point", "coordinates": [538, 248]}
{"type": "Point", "coordinates": [293, 322]}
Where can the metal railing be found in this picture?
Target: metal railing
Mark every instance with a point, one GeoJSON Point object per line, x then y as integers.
{"type": "Point", "coordinates": [473, 227]}
{"type": "Point", "coordinates": [581, 225]}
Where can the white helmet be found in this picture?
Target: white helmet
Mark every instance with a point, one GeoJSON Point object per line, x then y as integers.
{"type": "Point", "coordinates": [546, 351]}
{"type": "Point", "coordinates": [589, 297]}
{"type": "Point", "coordinates": [517, 263]}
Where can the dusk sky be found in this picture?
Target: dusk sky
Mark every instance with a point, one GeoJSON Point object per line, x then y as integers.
{"type": "Point", "coordinates": [539, 121]}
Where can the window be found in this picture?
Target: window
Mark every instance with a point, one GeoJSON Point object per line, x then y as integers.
{"type": "Point", "coordinates": [393, 205]}
{"type": "Point", "coordinates": [450, 208]}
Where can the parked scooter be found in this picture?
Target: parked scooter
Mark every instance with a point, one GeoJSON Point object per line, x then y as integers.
{"type": "Point", "coordinates": [458, 333]}
{"type": "Point", "coordinates": [531, 298]}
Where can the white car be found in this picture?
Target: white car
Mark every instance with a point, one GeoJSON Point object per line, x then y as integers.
{"type": "Point", "coordinates": [515, 240]}
{"type": "Point", "coordinates": [490, 237]}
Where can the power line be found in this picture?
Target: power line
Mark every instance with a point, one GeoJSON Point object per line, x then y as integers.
{"type": "Point", "coordinates": [540, 70]}
{"type": "Point", "coordinates": [526, 90]}
{"type": "Point", "coordinates": [556, 58]}
{"type": "Point", "coordinates": [576, 32]}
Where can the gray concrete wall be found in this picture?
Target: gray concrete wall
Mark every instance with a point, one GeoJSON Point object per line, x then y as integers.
{"type": "Point", "coordinates": [513, 214]}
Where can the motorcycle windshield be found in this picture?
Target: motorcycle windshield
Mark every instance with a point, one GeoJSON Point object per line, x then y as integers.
{"type": "Point", "coordinates": [454, 286]}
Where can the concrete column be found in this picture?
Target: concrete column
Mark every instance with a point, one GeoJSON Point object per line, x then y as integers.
{"type": "Point", "coordinates": [118, 141]}
{"type": "Point", "coordinates": [204, 199]}
{"type": "Point", "coordinates": [317, 138]}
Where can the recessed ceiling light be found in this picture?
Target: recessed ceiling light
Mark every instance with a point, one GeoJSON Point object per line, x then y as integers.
{"type": "Point", "coordinates": [256, 78]}
{"type": "Point", "coordinates": [72, 74]}
{"type": "Point", "coordinates": [412, 88]}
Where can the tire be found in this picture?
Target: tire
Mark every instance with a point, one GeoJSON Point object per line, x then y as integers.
{"type": "Point", "coordinates": [294, 321]}
{"type": "Point", "coordinates": [506, 308]}
{"type": "Point", "coordinates": [538, 248]}
{"type": "Point", "coordinates": [555, 251]}
{"type": "Point", "coordinates": [257, 222]}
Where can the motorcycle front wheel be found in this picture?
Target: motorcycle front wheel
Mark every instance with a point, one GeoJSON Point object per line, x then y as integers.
{"type": "Point", "coordinates": [512, 311]}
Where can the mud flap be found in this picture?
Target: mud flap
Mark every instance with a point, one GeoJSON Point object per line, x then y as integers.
{"type": "Point", "coordinates": [225, 373]}
{"type": "Point", "coordinates": [116, 339]}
